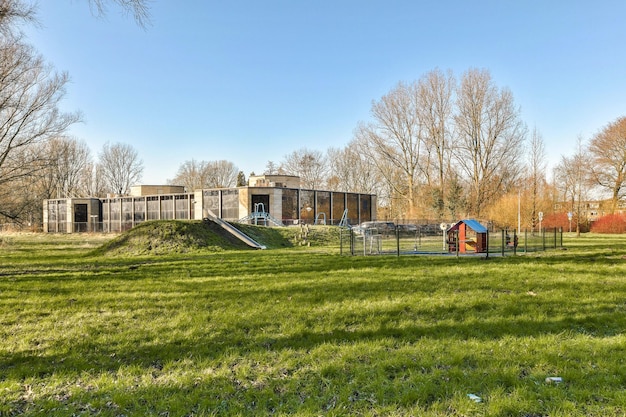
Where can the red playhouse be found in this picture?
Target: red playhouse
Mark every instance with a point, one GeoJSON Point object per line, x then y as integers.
{"type": "Point", "coordinates": [472, 237]}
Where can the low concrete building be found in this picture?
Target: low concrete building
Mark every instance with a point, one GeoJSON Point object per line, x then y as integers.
{"type": "Point", "coordinates": [266, 200]}
{"type": "Point", "coordinates": [72, 215]}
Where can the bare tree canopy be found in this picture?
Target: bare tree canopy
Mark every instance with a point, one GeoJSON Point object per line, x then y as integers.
{"type": "Point", "coordinates": [608, 150]}
{"type": "Point", "coordinates": [222, 174]}
{"type": "Point", "coordinates": [120, 167]}
{"type": "Point", "coordinates": [351, 170]}
{"type": "Point", "coordinates": [14, 11]}
{"type": "Point", "coordinates": [491, 138]}
{"type": "Point", "coordinates": [195, 174]}
{"type": "Point", "coordinates": [536, 173]}
{"type": "Point", "coordinates": [310, 165]}
{"type": "Point", "coordinates": [139, 9]}
{"type": "Point", "coordinates": [393, 141]}
{"type": "Point", "coordinates": [573, 178]}
{"type": "Point", "coordinates": [29, 96]}
{"type": "Point", "coordinates": [66, 160]}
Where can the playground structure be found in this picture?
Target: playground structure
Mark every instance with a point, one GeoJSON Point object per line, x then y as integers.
{"type": "Point", "coordinates": [467, 236]}
{"type": "Point", "coordinates": [415, 239]}
{"type": "Point", "coordinates": [234, 231]}
{"type": "Point", "coordinates": [259, 217]}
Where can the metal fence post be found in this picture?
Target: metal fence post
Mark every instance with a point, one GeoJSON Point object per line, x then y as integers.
{"type": "Point", "coordinates": [487, 244]}
{"type": "Point", "coordinates": [398, 239]}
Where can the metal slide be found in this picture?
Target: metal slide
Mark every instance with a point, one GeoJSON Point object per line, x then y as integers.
{"type": "Point", "coordinates": [235, 232]}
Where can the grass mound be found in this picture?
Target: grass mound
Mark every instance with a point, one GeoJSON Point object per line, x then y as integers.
{"type": "Point", "coordinates": [171, 236]}
{"type": "Point", "coordinates": [161, 237]}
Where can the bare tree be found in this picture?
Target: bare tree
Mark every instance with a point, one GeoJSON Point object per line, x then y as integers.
{"type": "Point", "coordinates": [66, 161]}
{"type": "Point", "coordinates": [140, 9]}
{"type": "Point", "coordinates": [608, 150]}
{"type": "Point", "coordinates": [202, 174]}
{"type": "Point", "coordinates": [120, 167]}
{"type": "Point", "coordinates": [394, 143]}
{"type": "Point", "coordinates": [13, 11]}
{"type": "Point", "coordinates": [192, 175]}
{"type": "Point", "coordinates": [222, 174]}
{"type": "Point", "coordinates": [491, 138]}
{"type": "Point", "coordinates": [92, 181]}
{"type": "Point", "coordinates": [29, 96]}
{"type": "Point", "coordinates": [271, 168]}
{"type": "Point", "coordinates": [434, 107]}
{"type": "Point", "coordinates": [573, 178]}
{"type": "Point", "coordinates": [352, 170]}
{"type": "Point", "coordinates": [310, 165]}
{"type": "Point", "coordinates": [29, 116]}
{"type": "Point", "coordinates": [536, 173]}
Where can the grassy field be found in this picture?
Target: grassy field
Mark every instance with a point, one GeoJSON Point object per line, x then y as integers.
{"type": "Point", "coordinates": [304, 331]}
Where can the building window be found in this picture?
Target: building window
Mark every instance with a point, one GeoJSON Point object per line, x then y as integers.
{"type": "Point", "coordinates": [167, 207]}
{"type": "Point", "coordinates": [139, 214]}
{"type": "Point", "coordinates": [307, 206]}
{"type": "Point", "coordinates": [153, 208]}
{"type": "Point", "coordinates": [182, 209]}
{"type": "Point", "coordinates": [323, 206]}
{"type": "Point", "coordinates": [353, 208]}
{"type": "Point", "coordinates": [230, 204]}
{"type": "Point", "coordinates": [290, 205]}
{"type": "Point", "coordinates": [211, 201]}
{"type": "Point", "coordinates": [339, 205]}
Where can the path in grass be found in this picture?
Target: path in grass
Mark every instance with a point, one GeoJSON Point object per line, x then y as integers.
{"type": "Point", "coordinates": [309, 332]}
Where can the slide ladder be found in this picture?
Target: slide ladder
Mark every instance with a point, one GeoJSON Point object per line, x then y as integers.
{"type": "Point", "coordinates": [344, 219]}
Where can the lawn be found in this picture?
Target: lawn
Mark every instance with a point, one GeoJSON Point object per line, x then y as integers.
{"type": "Point", "coordinates": [305, 331]}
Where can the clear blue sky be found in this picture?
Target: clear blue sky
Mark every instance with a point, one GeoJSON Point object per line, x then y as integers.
{"type": "Point", "coordinates": [251, 81]}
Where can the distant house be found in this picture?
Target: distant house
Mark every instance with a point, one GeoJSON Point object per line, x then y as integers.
{"type": "Point", "coordinates": [279, 197]}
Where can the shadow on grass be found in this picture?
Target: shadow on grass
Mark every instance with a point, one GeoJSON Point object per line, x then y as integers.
{"type": "Point", "coordinates": [478, 321]}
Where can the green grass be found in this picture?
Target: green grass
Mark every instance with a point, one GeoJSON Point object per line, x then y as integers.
{"type": "Point", "coordinates": [304, 331]}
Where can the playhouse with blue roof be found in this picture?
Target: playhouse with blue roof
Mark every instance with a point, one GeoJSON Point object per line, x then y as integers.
{"type": "Point", "coordinates": [467, 236]}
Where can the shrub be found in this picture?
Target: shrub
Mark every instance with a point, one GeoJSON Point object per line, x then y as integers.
{"type": "Point", "coordinates": [561, 220]}
{"type": "Point", "coordinates": [611, 223]}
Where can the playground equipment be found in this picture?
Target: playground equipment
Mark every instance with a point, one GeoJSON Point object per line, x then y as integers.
{"type": "Point", "coordinates": [467, 236]}
{"type": "Point", "coordinates": [259, 215]}
{"type": "Point", "coordinates": [234, 231]}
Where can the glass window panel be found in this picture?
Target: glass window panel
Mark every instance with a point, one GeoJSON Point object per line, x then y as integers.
{"type": "Point", "coordinates": [52, 211]}
{"type": "Point", "coordinates": [115, 210]}
{"type": "Point", "coordinates": [323, 206]}
{"type": "Point", "coordinates": [181, 202]}
{"type": "Point", "coordinates": [167, 207]}
{"type": "Point", "coordinates": [230, 204]}
{"type": "Point", "coordinates": [62, 211]}
{"type": "Point", "coordinates": [339, 205]}
{"type": "Point", "coordinates": [307, 212]}
{"type": "Point", "coordinates": [139, 214]}
{"type": "Point", "coordinates": [366, 207]}
{"type": "Point", "coordinates": [353, 208]}
{"type": "Point", "coordinates": [153, 208]}
{"type": "Point", "coordinates": [290, 205]}
{"type": "Point", "coordinates": [211, 201]}
{"type": "Point", "coordinates": [127, 209]}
